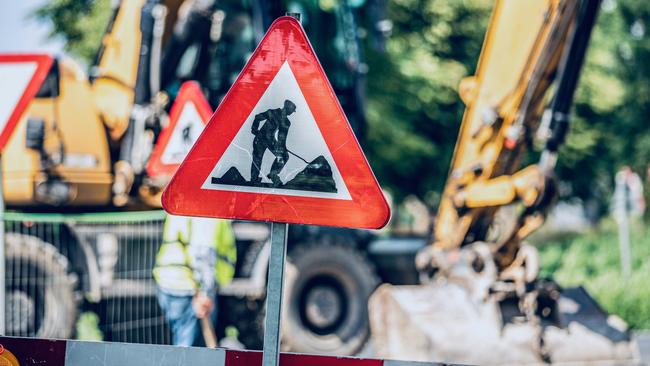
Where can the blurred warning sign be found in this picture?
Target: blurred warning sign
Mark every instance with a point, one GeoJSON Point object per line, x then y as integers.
{"type": "Point", "coordinates": [22, 76]}
{"type": "Point", "coordinates": [187, 117]}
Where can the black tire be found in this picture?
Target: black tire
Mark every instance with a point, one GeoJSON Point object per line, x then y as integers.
{"type": "Point", "coordinates": [326, 298]}
{"type": "Point", "coordinates": [41, 299]}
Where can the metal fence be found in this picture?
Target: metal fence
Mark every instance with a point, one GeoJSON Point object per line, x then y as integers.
{"type": "Point", "coordinates": [83, 276]}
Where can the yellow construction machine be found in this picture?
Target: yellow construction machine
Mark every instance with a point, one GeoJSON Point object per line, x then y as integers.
{"type": "Point", "coordinates": [66, 162]}
{"type": "Point", "coordinates": [87, 138]}
{"type": "Point", "coordinates": [481, 300]}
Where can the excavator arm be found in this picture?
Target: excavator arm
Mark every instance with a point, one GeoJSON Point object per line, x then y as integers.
{"type": "Point", "coordinates": [531, 48]}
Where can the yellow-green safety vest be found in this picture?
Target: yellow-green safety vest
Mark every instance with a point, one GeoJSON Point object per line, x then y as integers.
{"type": "Point", "coordinates": [173, 268]}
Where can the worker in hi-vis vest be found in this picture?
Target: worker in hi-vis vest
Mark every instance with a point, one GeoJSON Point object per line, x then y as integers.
{"type": "Point", "coordinates": [196, 257]}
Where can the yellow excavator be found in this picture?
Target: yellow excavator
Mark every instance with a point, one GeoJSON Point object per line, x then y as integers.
{"type": "Point", "coordinates": [69, 163]}
{"type": "Point", "coordinates": [57, 161]}
{"type": "Point", "coordinates": [481, 300]}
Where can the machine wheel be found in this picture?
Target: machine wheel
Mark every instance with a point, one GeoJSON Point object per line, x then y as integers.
{"type": "Point", "coordinates": [326, 298]}
{"type": "Point", "coordinates": [40, 298]}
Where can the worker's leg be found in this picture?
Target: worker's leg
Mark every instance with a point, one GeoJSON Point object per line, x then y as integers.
{"type": "Point", "coordinates": [258, 154]}
{"type": "Point", "coordinates": [281, 158]}
{"type": "Point", "coordinates": [183, 323]}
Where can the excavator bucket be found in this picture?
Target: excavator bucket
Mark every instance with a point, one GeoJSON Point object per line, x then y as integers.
{"type": "Point", "coordinates": [444, 322]}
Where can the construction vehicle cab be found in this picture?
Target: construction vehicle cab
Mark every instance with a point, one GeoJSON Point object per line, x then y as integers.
{"type": "Point", "coordinates": [144, 57]}
{"type": "Point", "coordinates": [55, 163]}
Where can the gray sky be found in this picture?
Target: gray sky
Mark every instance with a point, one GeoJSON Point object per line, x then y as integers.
{"type": "Point", "coordinates": [18, 33]}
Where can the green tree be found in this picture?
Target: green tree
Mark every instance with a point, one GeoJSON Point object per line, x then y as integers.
{"type": "Point", "coordinates": [414, 111]}
{"type": "Point", "coordinates": [80, 23]}
{"type": "Point", "coordinates": [612, 103]}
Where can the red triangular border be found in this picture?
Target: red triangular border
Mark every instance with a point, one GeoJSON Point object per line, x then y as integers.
{"type": "Point", "coordinates": [44, 62]}
{"type": "Point", "coordinates": [285, 41]}
{"type": "Point", "coordinates": [190, 91]}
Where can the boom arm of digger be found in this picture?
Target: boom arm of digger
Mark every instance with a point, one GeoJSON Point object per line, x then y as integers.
{"type": "Point", "coordinates": [117, 69]}
{"type": "Point", "coordinates": [521, 53]}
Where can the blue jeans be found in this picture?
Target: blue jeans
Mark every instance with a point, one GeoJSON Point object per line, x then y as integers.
{"type": "Point", "coordinates": [184, 325]}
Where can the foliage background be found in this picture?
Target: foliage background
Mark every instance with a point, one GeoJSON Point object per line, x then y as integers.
{"type": "Point", "coordinates": [80, 22]}
{"type": "Point", "coordinates": [413, 108]}
{"type": "Point", "coordinates": [592, 260]}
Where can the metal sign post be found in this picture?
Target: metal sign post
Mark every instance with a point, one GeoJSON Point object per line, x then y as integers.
{"type": "Point", "coordinates": [274, 289]}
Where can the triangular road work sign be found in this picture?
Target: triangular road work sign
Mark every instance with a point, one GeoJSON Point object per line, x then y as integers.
{"type": "Point", "coordinates": [22, 77]}
{"type": "Point", "coordinates": [279, 147]}
{"type": "Point", "coordinates": [187, 118]}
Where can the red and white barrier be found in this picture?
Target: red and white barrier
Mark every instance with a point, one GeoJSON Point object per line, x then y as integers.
{"type": "Point", "coordinates": [42, 352]}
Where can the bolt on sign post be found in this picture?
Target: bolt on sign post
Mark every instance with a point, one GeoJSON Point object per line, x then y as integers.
{"type": "Point", "coordinates": [279, 149]}
{"type": "Point", "coordinates": [22, 77]}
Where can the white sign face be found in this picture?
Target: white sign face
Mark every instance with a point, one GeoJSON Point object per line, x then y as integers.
{"type": "Point", "coordinates": [187, 130]}
{"type": "Point", "coordinates": [15, 79]}
{"type": "Point", "coordinates": [279, 149]}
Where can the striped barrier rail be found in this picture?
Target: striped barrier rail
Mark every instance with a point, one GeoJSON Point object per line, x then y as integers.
{"type": "Point", "coordinates": [43, 352]}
